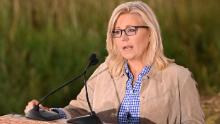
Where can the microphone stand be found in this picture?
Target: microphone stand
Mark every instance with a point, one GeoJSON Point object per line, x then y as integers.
{"type": "Point", "coordinates": [92, 118]}
{"type": "Point", "coordinates": [39, 114]}
{"type": "Point", "coordinates": [44, 115]}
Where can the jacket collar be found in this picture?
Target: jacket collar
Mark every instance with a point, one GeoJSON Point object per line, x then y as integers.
{"type": "Point", "coordinates": [152, 72]}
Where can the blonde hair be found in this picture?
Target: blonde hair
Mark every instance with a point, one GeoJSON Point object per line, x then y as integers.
{"type": "Point", "coordinates": [154, 53]}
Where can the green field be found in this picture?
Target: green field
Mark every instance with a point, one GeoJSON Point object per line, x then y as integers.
{"type": "Point", "coordinates": [45, 42]}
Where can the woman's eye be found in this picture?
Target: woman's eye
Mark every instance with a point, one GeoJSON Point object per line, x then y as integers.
{"type": "Point", "coordinates": [131, 30]}
{"type": "Point", "coordinates": [116, 32]}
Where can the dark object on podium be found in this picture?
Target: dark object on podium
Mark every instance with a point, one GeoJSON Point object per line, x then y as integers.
{"type": "Point", "coordinates": [87, 119]}
{"type": "Point", "coordinates": [38, 114]}
{"type": "Point", "coordinates": [44, 115]}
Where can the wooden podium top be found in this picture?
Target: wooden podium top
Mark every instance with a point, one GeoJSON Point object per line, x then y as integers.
{"type": "Point", "coordinates": [20, 119]}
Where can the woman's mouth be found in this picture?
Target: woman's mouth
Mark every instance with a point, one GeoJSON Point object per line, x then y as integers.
{"type": "Point", "coordinates": [128, 47]}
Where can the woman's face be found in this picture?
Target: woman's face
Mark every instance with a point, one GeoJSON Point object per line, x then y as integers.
{"type": "Point", "coordinates": [131, 47]}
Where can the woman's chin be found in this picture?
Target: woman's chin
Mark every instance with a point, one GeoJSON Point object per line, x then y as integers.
{"type": "Point", "coordinates": [128, 57]}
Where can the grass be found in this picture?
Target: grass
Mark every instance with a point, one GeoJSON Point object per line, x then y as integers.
{"type": "Point", "coordinates": [43, 43]}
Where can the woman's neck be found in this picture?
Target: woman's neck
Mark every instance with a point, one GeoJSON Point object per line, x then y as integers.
{"type": "Point", "coordinates": [136, 68]}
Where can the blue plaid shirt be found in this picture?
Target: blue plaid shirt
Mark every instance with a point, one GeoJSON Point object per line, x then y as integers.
{"type": "Point", "coordinates": [129, 111]}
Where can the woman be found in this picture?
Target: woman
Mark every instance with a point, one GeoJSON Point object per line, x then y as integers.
{"type": "Point", "coordinates": [137, 83]}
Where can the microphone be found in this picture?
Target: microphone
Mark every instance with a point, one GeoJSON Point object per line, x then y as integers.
{"type": "Point", "coordinates": [92, 118]}
{"type": "Point", "coordinates": [44, 115]}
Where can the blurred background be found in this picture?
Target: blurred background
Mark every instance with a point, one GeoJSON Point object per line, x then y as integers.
{"type": "Point", "coordinates": [45, 42]}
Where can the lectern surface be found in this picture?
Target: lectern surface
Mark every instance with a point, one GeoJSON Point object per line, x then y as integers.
{"type": "Point", "coordinates": [20, 119]}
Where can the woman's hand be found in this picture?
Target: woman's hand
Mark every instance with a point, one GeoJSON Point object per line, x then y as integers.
{"type": "Point", "coordinates": [31, 104]}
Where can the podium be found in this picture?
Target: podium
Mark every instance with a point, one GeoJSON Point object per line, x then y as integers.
{"type": "Point", "coordinates": [20, 119]}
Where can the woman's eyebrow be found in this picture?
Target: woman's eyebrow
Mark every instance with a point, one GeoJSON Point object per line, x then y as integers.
{"type": "Point", "coordinates": [125, 27]}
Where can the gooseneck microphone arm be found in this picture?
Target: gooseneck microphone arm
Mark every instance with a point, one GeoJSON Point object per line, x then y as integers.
{"type": "Point", "coordinates": [87, 96]}
{"type": "Point", "coordinates": [60, 87]}
{"type": "Point", "coordinates": [37, 114]}
{"type": "Point", "coordinates": [92, 118]}
{"type": "Point", "coordinates": [92, 61]}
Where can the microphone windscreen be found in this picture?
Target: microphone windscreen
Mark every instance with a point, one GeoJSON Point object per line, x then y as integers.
{"type": "Point", "coordinates": [93, 59]}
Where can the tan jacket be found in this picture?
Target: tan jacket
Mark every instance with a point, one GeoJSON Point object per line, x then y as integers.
{"type": "Point", "coordinates": [168, 96]}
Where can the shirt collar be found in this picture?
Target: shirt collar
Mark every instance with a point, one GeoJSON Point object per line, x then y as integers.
{"type": "Point", "coordinates": [145, 71]}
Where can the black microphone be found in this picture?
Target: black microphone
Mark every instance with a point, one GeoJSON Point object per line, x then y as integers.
{"type": "Point", "coordinates": [40, 114]}
{"type": "Point", "coordinates": [92, 118]}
